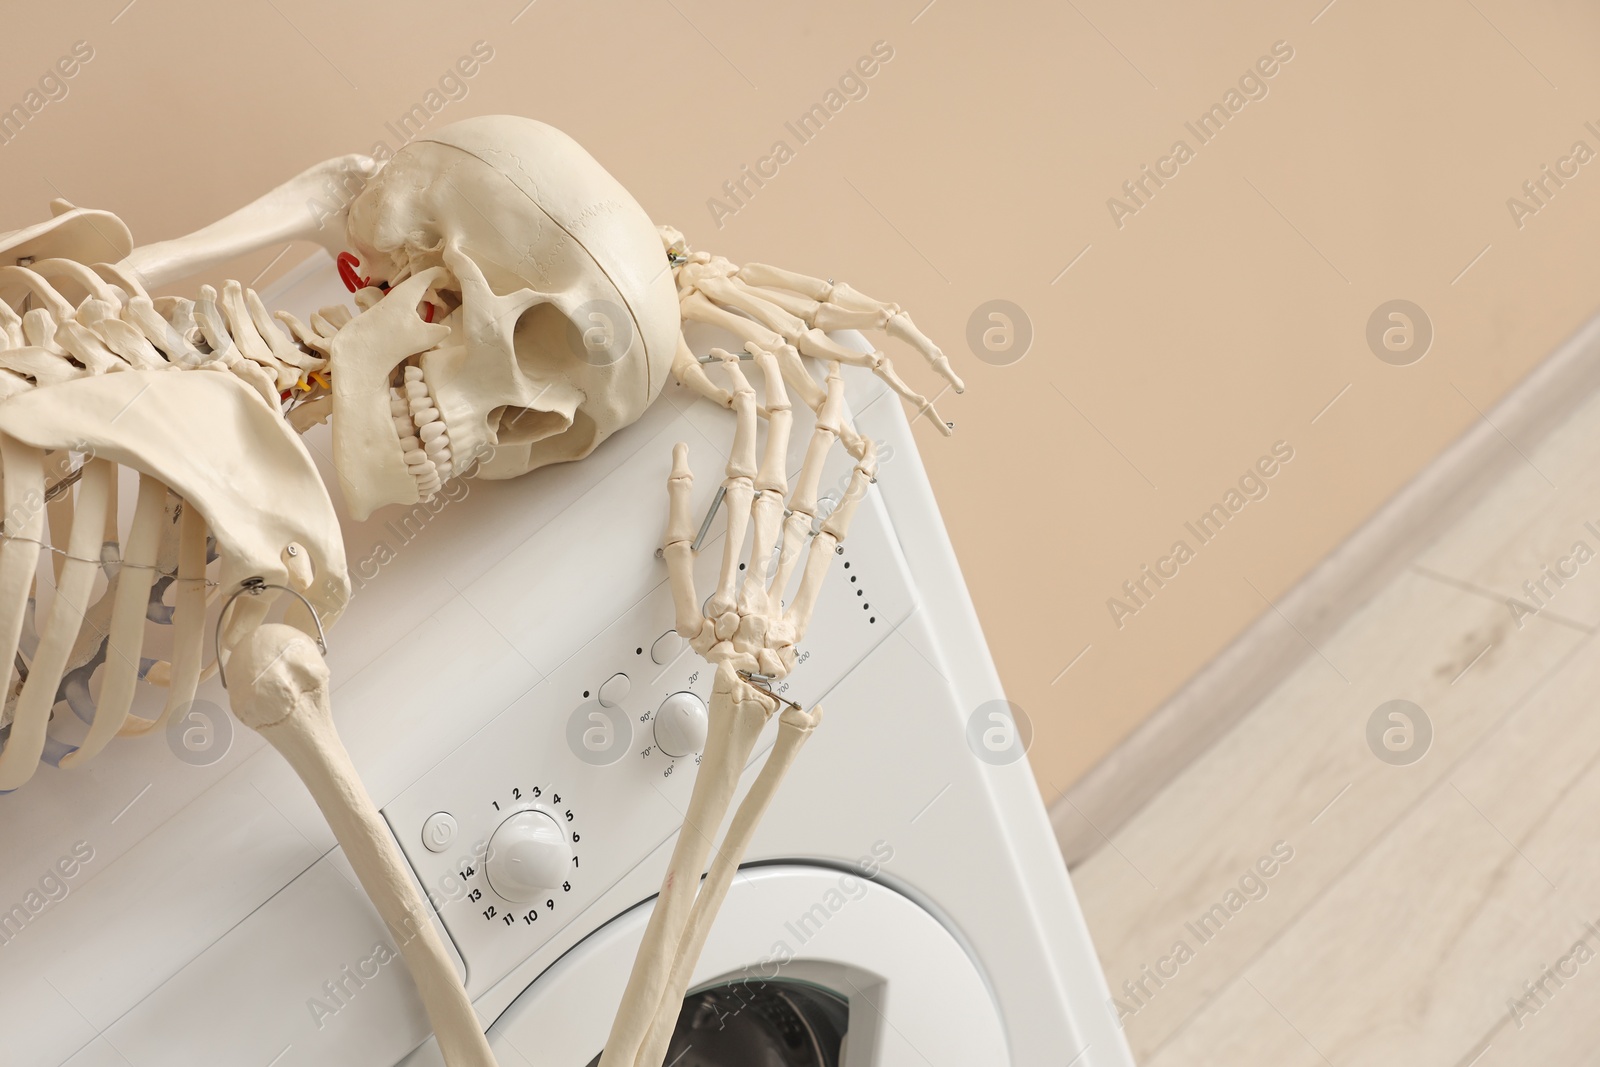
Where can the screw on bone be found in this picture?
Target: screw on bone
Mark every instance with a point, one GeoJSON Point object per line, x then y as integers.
{"type": "Point", "coordinates": [764, 684]}
{"type": "Point", "coordinates": [711, 513]}
{"type": "Point", "coordinates": [715, 358]}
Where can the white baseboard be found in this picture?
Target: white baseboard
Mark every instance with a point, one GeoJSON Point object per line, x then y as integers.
{"type": "Point", "coordinates": [1261, 657]}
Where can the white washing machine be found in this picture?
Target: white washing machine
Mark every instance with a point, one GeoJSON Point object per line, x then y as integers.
{"type": "Point", "coordinates": [180, 901]}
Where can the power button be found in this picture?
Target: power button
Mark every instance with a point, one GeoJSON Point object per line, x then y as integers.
{"type": "Point", "coordinates": [438, 831]}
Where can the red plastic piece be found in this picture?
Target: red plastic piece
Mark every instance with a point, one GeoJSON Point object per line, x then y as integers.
{"type": "Point", "coordinates": [347, 272]}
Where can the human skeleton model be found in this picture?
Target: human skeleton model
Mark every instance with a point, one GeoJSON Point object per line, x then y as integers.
{"type": "Point", "coordinates": [485, 248]}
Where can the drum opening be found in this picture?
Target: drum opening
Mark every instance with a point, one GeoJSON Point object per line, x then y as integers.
{"type": "Point", "coordinates": [760, 1023]}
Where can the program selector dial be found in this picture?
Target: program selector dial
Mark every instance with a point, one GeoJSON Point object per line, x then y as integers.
{"type": "Point", "coordinates": [529, 855]}
{"type": "Point", "coordinates": [681, 724]}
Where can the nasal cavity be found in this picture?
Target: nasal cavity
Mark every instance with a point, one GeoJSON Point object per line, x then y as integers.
{"type": "Point", "coordinates": [520, 426]}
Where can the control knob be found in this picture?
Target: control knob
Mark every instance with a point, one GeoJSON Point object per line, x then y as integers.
{"type": "Point", "coordinates": [528, 856]}
{"type": "Point", "coordinates": [681, 724]}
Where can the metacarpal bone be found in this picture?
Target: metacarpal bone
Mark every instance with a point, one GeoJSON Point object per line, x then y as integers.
{"type": "Point", "coordinates": [678, 547]}
{"type": "Point", "coordinates": [740, 489]}
{"type": "Point", "coordinates": [743, 626]}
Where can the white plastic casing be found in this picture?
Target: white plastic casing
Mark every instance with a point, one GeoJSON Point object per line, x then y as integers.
{"type": "Point", "coordinates": [215, 920]}
{"type": "Point", "coordinates": [524, 759]}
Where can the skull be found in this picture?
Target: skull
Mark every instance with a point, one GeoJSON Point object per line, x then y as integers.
{"type": "Point", "coordinates": [530, 312]}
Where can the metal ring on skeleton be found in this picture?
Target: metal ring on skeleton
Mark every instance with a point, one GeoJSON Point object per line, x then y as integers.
{"type": "Point", "coordinates": [255, 586]}
{"type": "Point", "coordinates": [759, 682]}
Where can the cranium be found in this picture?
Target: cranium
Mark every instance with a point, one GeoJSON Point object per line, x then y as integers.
{"type": "Point", "coordinates": [552, 315]}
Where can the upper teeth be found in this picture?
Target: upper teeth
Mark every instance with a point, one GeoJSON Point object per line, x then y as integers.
{"type": "Point", "coordinates": [423, 437]}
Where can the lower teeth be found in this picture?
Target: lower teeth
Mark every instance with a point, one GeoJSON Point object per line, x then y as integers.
{"type": "Point", "coordinates": [428, 471]}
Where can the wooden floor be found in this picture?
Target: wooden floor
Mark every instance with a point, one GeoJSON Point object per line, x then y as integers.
{"type": "Point", "coordinates": [1440, 911]}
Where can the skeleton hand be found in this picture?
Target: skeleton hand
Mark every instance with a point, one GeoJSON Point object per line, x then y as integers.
{"type": "Point", "coordinates": [746, 627]}
{"type": "Point", "coordinates": [750, 636]}
{"type": "Point", "coordinates": [788, 314]}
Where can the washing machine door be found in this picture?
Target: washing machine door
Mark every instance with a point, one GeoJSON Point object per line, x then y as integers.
{"type": "Point", "coordinates": [805, 967]}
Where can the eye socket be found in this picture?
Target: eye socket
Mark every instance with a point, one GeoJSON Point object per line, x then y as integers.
{"type": "Point", "coordinates": [595, 336]}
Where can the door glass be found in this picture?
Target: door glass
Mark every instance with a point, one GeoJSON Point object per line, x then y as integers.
{"type": "Point", "coordinates": [756, 1023]}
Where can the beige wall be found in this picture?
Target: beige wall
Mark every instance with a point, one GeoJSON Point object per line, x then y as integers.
{"type": "Point", "coordinates": [1220, 318]}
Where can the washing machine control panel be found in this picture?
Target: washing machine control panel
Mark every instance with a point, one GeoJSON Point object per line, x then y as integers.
{"type": "Point", "coordinates": [528, 822]}
{"type": "Point", "coordinates": [522, 873]}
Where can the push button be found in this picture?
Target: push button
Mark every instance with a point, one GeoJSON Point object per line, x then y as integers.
{"type": "Point", "coordinates": [438, 831]}
{"type": "Point", "coordinates": [615, 690]}
{"type": "Point", "coordinates": [667, 647]}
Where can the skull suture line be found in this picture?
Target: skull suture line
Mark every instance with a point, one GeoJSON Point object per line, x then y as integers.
{"type": "Point", "coordinates": [559, 314]}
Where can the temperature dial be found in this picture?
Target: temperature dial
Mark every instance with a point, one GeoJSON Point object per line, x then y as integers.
{"type": "Point", "coordinates": [528, 857]}
{"type": "Point", "coordinates": [681, 724]}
